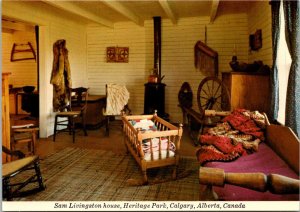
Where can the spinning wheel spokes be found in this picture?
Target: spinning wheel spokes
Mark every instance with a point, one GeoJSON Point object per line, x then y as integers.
{"type": "Point", "coordinates": [212, 94]}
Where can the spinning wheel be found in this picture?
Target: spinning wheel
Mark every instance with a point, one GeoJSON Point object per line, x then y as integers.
{"type": "Point", "coordinates": [212, 95]}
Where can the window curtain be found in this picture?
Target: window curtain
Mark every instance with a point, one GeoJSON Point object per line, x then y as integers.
{"type": "Point", "coordinates": [292, 33]}
{"type": "Point", "coordinates": [275, 6]}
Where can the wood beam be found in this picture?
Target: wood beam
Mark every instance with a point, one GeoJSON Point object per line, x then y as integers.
{"type": "Point", "coordinates": [166, 7]}
{"type": "Point", "coordinates": [72, 8]}
{"type": "Point", "coordinates": [214, 9]}
{"type": "Point", "coordinates": [13, 26]}
{"type": "Point", "coordinates": [5, 30]}
{"type": "Point", "coordinates": [16, 26]}
{"type": "Point", "coordinates": [117, 6]}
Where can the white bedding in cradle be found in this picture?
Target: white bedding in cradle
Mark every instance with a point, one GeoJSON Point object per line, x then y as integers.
{"type": "Point", "coordinates": [147, 156]}
{"type": "Point", "coordinates": [149, 125]}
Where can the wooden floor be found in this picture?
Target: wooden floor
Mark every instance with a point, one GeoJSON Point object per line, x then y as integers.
{"type": "Point", "coordinates": [96, 139]}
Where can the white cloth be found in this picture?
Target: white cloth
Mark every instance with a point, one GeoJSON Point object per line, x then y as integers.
{"type": "Point", "coordinates": [163, 153]}
{"type": "Point", "coordinates": [117, 98]}
{"type": "Point", "coordinates": [144, 124]}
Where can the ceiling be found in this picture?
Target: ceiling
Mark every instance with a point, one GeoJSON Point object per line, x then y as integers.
{"type": "Point", "coordinates": [109, 12]}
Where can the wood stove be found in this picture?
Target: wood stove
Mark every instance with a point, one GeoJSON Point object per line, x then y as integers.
{"type": "Point", "coordinates": [154, 98]}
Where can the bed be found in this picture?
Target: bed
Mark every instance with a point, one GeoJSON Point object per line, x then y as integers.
{"type": "Point", "coordinates": [269, 173]}
{"type": "Point", "coordinates": [152, 141]}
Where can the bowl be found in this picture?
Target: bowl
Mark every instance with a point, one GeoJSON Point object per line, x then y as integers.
{"type": "Point", "coordinates": [28, 89]}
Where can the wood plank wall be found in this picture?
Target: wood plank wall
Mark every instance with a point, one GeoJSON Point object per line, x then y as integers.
{"type": "Point", "coordinates": [259, 17]}
{"type": "Point", "coordinates": [23, 72]}
{"type": "Point", "coordinates": [177, 55]}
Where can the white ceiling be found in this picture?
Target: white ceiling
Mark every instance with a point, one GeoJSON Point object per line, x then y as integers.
{"type": "Point", "coordinates": [109, 12]}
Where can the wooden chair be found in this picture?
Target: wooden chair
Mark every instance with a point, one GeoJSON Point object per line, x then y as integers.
{"type": "Point", "coordinates": [75, 110]}
{"type": "Point", "coordinates": [24, 134]}
{"type": "Point", "coordinates": [12, 188]}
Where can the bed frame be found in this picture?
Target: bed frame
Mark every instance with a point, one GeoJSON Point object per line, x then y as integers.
{"type": "Point", "coordinates": [133, 141]}
{"type": "Point", "coordinates": [284, 143]}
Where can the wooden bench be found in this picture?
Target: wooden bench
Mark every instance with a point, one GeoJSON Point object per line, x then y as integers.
{"type": "Point", "coordinates": [272, 173]}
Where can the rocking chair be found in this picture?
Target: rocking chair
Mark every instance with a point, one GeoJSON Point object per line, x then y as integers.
{"type": "Point", "coordinates": [11, 188]}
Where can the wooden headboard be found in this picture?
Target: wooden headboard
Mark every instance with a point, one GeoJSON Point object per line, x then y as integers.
{"type": "Point", "coordinates": [285, 143]}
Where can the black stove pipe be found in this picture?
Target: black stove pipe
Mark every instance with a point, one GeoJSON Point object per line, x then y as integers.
{"type": "Point", "coordinates": [157, 45]}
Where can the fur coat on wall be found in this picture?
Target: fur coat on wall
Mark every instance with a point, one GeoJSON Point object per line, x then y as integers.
{"type": "Point", "coordinates": [61, 76]}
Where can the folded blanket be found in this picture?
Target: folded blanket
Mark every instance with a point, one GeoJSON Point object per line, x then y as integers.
{"type": "Point", "coordinates": [117, 98]}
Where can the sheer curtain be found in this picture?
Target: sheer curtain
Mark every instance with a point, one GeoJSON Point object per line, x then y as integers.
{"type": "Point", "coordinates": [284, 62]}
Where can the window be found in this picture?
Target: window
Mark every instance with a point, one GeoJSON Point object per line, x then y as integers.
{"type": "Point", "coordinates": [283, 63]}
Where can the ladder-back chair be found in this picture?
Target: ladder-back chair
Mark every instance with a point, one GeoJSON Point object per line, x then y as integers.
{"type": "Point", "coordinates": [75, 110]}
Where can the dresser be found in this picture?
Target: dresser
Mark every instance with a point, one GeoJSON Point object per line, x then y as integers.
{"type": "Point", "coordinates": [5, 116]}
{"type": "Point", "coordinates": [248, 90]}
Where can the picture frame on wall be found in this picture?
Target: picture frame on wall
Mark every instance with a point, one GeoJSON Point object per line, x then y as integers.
{"type": "Point", "coordinates": [110, 54]}
{"type": "Point", "coordinates": [255, 40]}
{"type": "Point", "coordinates": [117, 54]}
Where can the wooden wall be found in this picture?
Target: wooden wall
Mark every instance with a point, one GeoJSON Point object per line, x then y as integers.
{"type": "Point", "coordinates": [259, 17]}
{"type": "Point", "coordinates": [131, 74]}
{"type": "Point", "coordinates": [23, 72]}
{"type": "Point", "coordinates": [177, 55]}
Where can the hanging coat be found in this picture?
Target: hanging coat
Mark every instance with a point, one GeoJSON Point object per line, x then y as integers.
{"type": "Point", "coordinates": [61, 76]}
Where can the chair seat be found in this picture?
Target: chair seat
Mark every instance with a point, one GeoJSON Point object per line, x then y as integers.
{"type": "Point", "coordinates": [10, 168]}
{"type": "Point", "coordinates": [12, 186]}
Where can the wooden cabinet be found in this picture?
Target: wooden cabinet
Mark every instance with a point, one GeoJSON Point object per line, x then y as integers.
{"type": "Point", "coordinates": [248, 90]}
{"type": "Point", "coordinates": [15, 104]}
{"type": "Point", "coordinates": [5, 116]}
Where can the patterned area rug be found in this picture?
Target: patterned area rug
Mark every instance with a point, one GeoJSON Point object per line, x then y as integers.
{"type": "Point", "coordinates": [75, 174]}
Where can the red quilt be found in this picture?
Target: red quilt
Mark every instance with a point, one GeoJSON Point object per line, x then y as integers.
{"type": "Point", "coordinates": [238, 134]}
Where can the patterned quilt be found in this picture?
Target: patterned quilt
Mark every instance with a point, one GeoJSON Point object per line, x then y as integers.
{"type": "Point", "coordinates": [236, 135]}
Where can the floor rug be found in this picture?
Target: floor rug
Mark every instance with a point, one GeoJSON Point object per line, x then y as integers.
{"type": "Point", "coordinates": [76, 174]}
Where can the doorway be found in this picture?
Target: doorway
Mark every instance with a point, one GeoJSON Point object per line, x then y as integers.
{"type": "Point", "coordinates": [20, 50]}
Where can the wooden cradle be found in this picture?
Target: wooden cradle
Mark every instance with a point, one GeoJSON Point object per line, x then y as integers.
{"type": "Point", "coordinates": [134, 138]}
